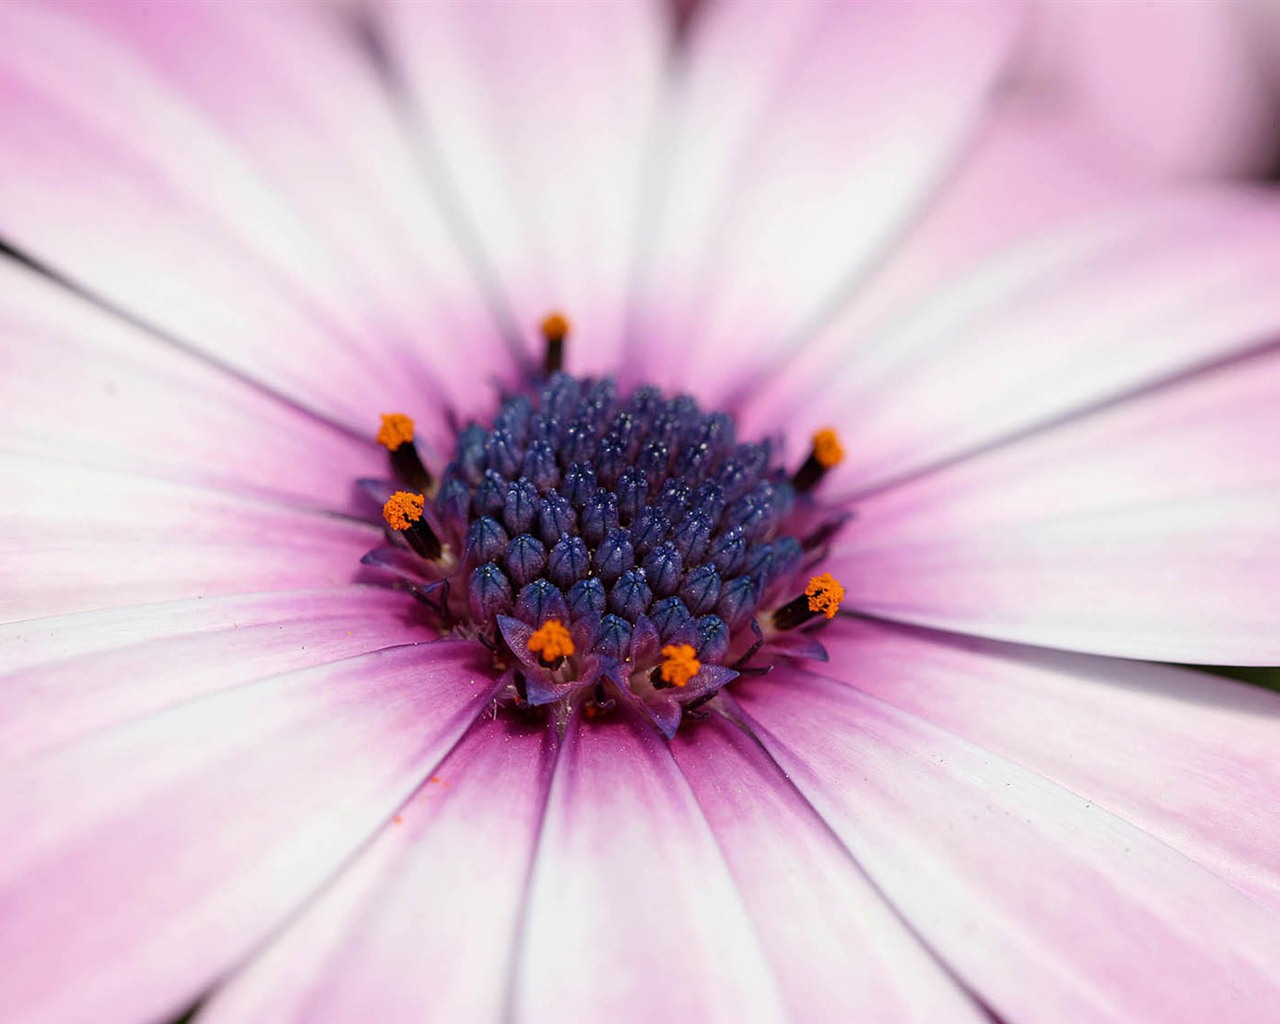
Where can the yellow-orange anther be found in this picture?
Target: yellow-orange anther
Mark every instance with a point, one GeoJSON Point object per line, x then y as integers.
{"type": "Point", "coordinates": [678, 664]}
{"type": "Point", "coordinates": [826, 448]}
{"type": "Point", "coordinates": [555, 327]}
{"type": "Point", "coordinates": [396, 429]}
{"type": "Point", "coordinates": [551, 641]}
{"type": "Point", "coordinates": [825, 594]}
{"type": "Point", "coordinates": [402, 509]}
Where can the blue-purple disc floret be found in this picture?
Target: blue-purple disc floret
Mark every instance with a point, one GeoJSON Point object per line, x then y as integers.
{"type": "Point", "coordinates": [608, 509]}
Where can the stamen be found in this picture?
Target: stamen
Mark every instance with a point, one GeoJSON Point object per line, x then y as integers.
{"type": "Point", "coordinates": [825, 594]}
{"type": "Point", "coordinates": [551, 642]}
{"type": "Point", "coordinates": [826, 453]}
{"type": "Point", "coordinates": [396, 436]}
{"type": "Point", "coordinates": [555, 328]}
{"type": "Point", "coordinates": [822, 596]}
{"type": "Point", "coordinates": [403, 513]}
{"type": "Point", "coordinates": [679, 665]}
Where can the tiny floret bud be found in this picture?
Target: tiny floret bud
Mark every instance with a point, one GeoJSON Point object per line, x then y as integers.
{"type": "Point", "coordinates": [551, 641]}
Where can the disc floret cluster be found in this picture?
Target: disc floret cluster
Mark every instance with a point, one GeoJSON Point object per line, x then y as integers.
{"type": "Point", "coordinates": [612, 546]}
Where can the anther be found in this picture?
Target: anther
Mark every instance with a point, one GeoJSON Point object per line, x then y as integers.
{"type": "Point", "coordinates": [555, 328]}
{"type": "Point", "coordinates": [822, 596]}
{"type": "Point", "coordinates": [396, 436]}
{"type": "Point", "coordinates": [551, 642]}
{"type": "Point", "coordinates": [679, 665]}
{"type": "Point", "coordinates": [403, 513]}
{"type": "Point", "coordinates": [825, 454]}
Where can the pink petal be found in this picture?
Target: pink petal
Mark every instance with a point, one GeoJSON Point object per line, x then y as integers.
{"type": "Point", "coordinates": [632, 914]}
{"type": "Point", "coordinates": [1054, 327]}
{"type": "Point", "coordinates": [82, 385]}
{"type": "Point", "coordinates": [1028, 173]}
{"type": "Point", "coordinates": [537, 115]}
{"type": "Point", "coordinates": [1187, 757]}
{"type": "Point", "coordinates": [146, 161]}
{"type": "Point", "coordinates": [1047, 905]}
{"type": "Point", "coordinates": [803, 138]}
{"type": "Point", "coordinates": [839, 951]}
{"type": "Point", "coordinates": [422, 926]}
{"type": "Point", "coordinates": [141, 865]}
{"type": "Point", "coordinates": [1178, 87]}
{"type": "Point", "coordinates": [77, 539]}
{"type": "Point", "coordinates": [1147, 529]}
{"type": "Point", "coordinates": [71, 675]}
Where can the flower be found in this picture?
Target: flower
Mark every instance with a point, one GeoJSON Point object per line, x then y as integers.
{"type": "Point", "coordinates": [236, 762]}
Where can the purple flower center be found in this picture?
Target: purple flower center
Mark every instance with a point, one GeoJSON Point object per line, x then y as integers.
{"type": "Point", "coordinates": [606, 545]}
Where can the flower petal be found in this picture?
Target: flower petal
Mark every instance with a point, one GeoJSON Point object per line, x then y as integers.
{"type": "Point", "coordinates": [1047, 905]}
{"type": "Point", "coordinates": [632, 914]}
{"type": "Point", "coordinates": [804, 136]}
{"type": "Point", "coordinates": [142, 864]}
{"type": "Point", "coordinates": [71, 675]}
{"type": "Point", "coordinates": [1147, 529]}
{"type": "Point", "coordinates": [537, 114]}
{"type": "Point", "coordinates": [1187, 757]}
{"type": "Point", "coordinates": [79, 539]}
{"type": "Point", "coordinates": [422, 926]}
{"type": "Point", "coordinates": [82, 386]}
{"type": "Point", "coordinates": [839, 951]}
{"type": "Point", "coordinates": [1180, 88]}
{"type": "Point", "coordinates": [1029, 172]}
{"type": "Point", "coordinates": [145, 161]}
{"type": "Point", "coordinates": [1056, 327]}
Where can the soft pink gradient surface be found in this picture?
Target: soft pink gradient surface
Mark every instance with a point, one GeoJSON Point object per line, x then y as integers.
{"type": "Point", "coordinates": [231, 764]}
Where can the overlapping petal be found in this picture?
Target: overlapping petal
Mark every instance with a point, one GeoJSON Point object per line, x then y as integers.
{"type": "Point", "coordinates": [81, 387]}
{"type": "Point", "coordinates": [138, 166]}
{"type": "Point", "coordinates": [628, 879]}
{"type": "Point", "coordinates": [838, 950]}
{"type": "Point", "coordinates": [537, 116]}
{"type": "Point", "coordinates": [67, 676]}
{"type": "Point", "coordinates": [156, 855]}
{"type": "Point", "coordinates": [801, 140]}
{"type": "Point", "coordinates": [1187, 757]}
{"type": "Point", "coordinates": [422, 927]}
{"type": "Point", "coordinates": [1047, 903]}
{"type": "Point", "coordinates": [1146, 529]}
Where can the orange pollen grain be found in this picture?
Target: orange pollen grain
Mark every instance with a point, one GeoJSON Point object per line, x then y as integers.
{"type": "Point", "coordinates": [825, 594]}
{"type": "Point", "coordinates": [678, 664]}
{"type": "Point", "coordinates": [827, 449]}
{"type": "Point", "coordinates": [551, 641]}
{"type": "Point", "coordinates": [396, 429]}
{"type": "Point", "coordinates": [555, 327]}
{"type": "Point", "coordinates": [402, 510]}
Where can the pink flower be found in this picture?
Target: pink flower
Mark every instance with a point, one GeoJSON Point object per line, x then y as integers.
{"type": "Point", "coordinates": [236, 762]}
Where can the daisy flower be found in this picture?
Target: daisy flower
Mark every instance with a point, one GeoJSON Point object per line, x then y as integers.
{"type": "Point", "coordinates": [514, 513]}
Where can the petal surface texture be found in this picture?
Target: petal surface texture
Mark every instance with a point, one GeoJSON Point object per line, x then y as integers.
{"type": "Point", "coordinates": [146, 163]}
{"type": "Point", "coordinates": [422, 926]}
{"type": "Point", "coordinates": [1188, 757]}
{"type": "Point", "coordinates": [1145, 529]}
{"type": "Point", "coordinates": [802, 137]}
{"type": "Point", "coordinates": [179, 841]}
{"type": "Point", "coordinates": [839, 951]}
{"type": "Point", "coordinates": [628, 880]}
{"type": "Point", "coordinates": [535, 120]}
{"type": "Point", "coordinates": [1050, 905]}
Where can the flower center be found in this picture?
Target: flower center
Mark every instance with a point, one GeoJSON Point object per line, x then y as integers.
{"type": "Point", "coordinates": [608, 546]}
